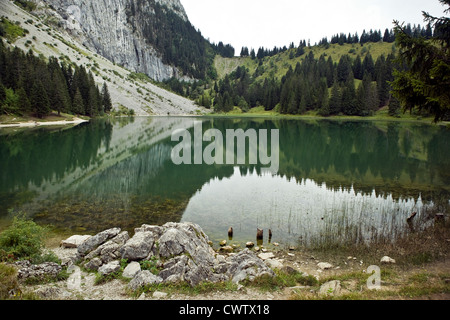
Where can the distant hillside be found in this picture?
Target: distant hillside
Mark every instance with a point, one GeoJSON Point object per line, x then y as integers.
{"type": "Point", "coordinates": [277, 66]}
{"type": "Point", "coordinates": [328, 79]}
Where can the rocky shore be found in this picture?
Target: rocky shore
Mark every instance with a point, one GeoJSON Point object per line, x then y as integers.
{"type": "Point", "coordinates": [180, 255]}
{"type": "Point", "coordinates": [180, 252]}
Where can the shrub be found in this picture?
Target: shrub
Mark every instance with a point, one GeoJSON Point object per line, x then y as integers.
{"type": "Point", "coordinates": [22, 240]}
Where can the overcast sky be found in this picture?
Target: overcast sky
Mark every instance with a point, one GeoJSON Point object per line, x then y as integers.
{"type": "Point", "coordinates": [269, 23]}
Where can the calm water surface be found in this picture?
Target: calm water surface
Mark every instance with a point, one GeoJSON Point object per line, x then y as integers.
{"type": "Point", "coordinates": [337, 181]}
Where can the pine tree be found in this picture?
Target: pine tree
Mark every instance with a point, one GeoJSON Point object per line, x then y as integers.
{"type": "Point", "coordinates": [344, 69]}
{"type": "Point", "coordinates": [23, 101]}
{"type": "Point", "coordinates": [394, 107]}
{"type": "Point", "coordinates": [426, 81]}
{"type": "Point", "coordinates": [368, 65]}
{"type": "Point", "coordinates": [335, 104]}
{"type": "Point", "coordinates": [106, 98]}
{"type": "Point", "coordinates": [349, 103]}
{"type": "Point", "coordinates": [357, 68]}
{"type": "Point", "coordinates": [78, 103]}
{"type": "Point", "coordinates": [39, 100]}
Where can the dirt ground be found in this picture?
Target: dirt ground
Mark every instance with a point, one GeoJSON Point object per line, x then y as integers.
{"type": "Point", "coordinates": [297, 260]}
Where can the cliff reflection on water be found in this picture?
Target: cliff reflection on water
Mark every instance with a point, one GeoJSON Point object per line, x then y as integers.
{"type": "Point", "coordinates": [337, 181]}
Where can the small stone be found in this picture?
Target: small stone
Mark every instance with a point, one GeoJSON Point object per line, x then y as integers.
{"type": "Point", "coordinates": [324, 265]}
{"type": "Point", "coordinates": [266, 255]}
{"type": "Point", "coordinates": [223, 243]}
{"type": "Point", "coordinates": [159, 295]}
{"type": "Point", "coordinates": [249, 244]}
{"type": "Point", "coordinates": [226, 249]}
{"type": "Point", "coordinates": [387, 260]}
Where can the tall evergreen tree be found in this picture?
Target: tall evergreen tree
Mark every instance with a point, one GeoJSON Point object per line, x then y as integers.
{"type": "Point", "coordinates": [106, 98]}
{"type": "Point", "coordinates": [335, 103]}
{"type": "Point", "coordinates": [78, 103]}
{"type": "Point", "coordinates": [425, 82]}
{"type": "Point", "coordinates": [39, 100]}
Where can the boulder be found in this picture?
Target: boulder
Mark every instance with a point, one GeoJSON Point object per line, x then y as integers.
{"type": "Point", "coordinates": [109, 250]}
{"type": "Point", "coordinates": [139, 246]}
{"type": "Point", "coordinates": [109, 268]}
{"type": "Point", "coordinates": [74, 241]}
{"type": "Point", "coordinates": [94, 241]}
{"type": "Point", "coordinates": [330, 288]}
{"type": "Point", "coordinates": [131, 270]}
{"type": "Point", "coordinates": [246, 265]}
{"type": "Point", "coordinates": [93, 264]}
{"type": "Point", "coordinates": [143, 278]}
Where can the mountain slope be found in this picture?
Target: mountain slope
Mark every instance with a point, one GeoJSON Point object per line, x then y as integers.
{"type": "Point", "coordinates": [131, 90]}
{"type": "Point", "coordinates": [153, 37]}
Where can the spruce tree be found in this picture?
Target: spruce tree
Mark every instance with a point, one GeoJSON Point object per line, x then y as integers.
{"type": "Point", "coordinates": [78, 103]}
{"type": "Point", "coordinates": [106, 98]}
{"type": "Point", "coordinates": [425, 82]}
{"type": "Point", "coordinates": [23, 101]}
{"type": "Point", "coordinates": [335, 105]}
{"type": "Point", "coordinates": [39, 100]}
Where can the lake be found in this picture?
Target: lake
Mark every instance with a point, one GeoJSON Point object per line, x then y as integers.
{"type": "Point", "coordinates": [336, 181]}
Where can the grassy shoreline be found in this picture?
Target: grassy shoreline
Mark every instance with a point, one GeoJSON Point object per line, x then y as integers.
{"type": "Point", "coordinates": [381, 115]}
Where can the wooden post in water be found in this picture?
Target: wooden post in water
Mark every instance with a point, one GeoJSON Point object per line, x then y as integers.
{"type": "Point", "coordinates": [230, 233]}
{"type": "Point", "coordinates": [259, 236]}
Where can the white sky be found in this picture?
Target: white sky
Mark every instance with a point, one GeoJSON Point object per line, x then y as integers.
{"type": "Point", "coordinates": [269, 23]}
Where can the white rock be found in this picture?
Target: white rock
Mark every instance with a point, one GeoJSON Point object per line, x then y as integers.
{"type": "Point", "coordinates": [324, 265]}
{"type": "Point", "coordinates": [159, 295]}
{"type": "Point", "coordinates": [387, 259]}
{"type": "Point", "coordinates": [131, 269]}
{"type": "Point", "coordinates": [108, 268]}
{"type": "Point", "coordinates": [74, 241]}
{"type": "Point", "coordinates": [266, 255]}
{"type": "Point", "coordinates": [274, 263]}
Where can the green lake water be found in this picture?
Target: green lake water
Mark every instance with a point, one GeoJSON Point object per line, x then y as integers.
{"type": "Point", "coordinates": [337, 181]}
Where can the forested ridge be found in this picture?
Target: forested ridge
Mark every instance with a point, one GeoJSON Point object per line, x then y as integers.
{"type": "Point", "coordinates": [354, 84]}
{"type": "Point", "coordinates": [31, 85]}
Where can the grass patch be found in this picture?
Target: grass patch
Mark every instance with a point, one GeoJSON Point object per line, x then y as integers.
{"type": "Point", "coordinates": [185, 288]}
{"type": "Point", "coordinates": [8, 280]}
{"type": "Point", "coordinates": [11, 31]}
{"type": "Point", "coordinates": [282, 280]}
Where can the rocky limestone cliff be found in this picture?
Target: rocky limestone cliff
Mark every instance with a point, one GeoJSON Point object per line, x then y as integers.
{"type": "Point", "coordinates": [115, 30]}
{"type": "Point", "coordinates": [139, 95]}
